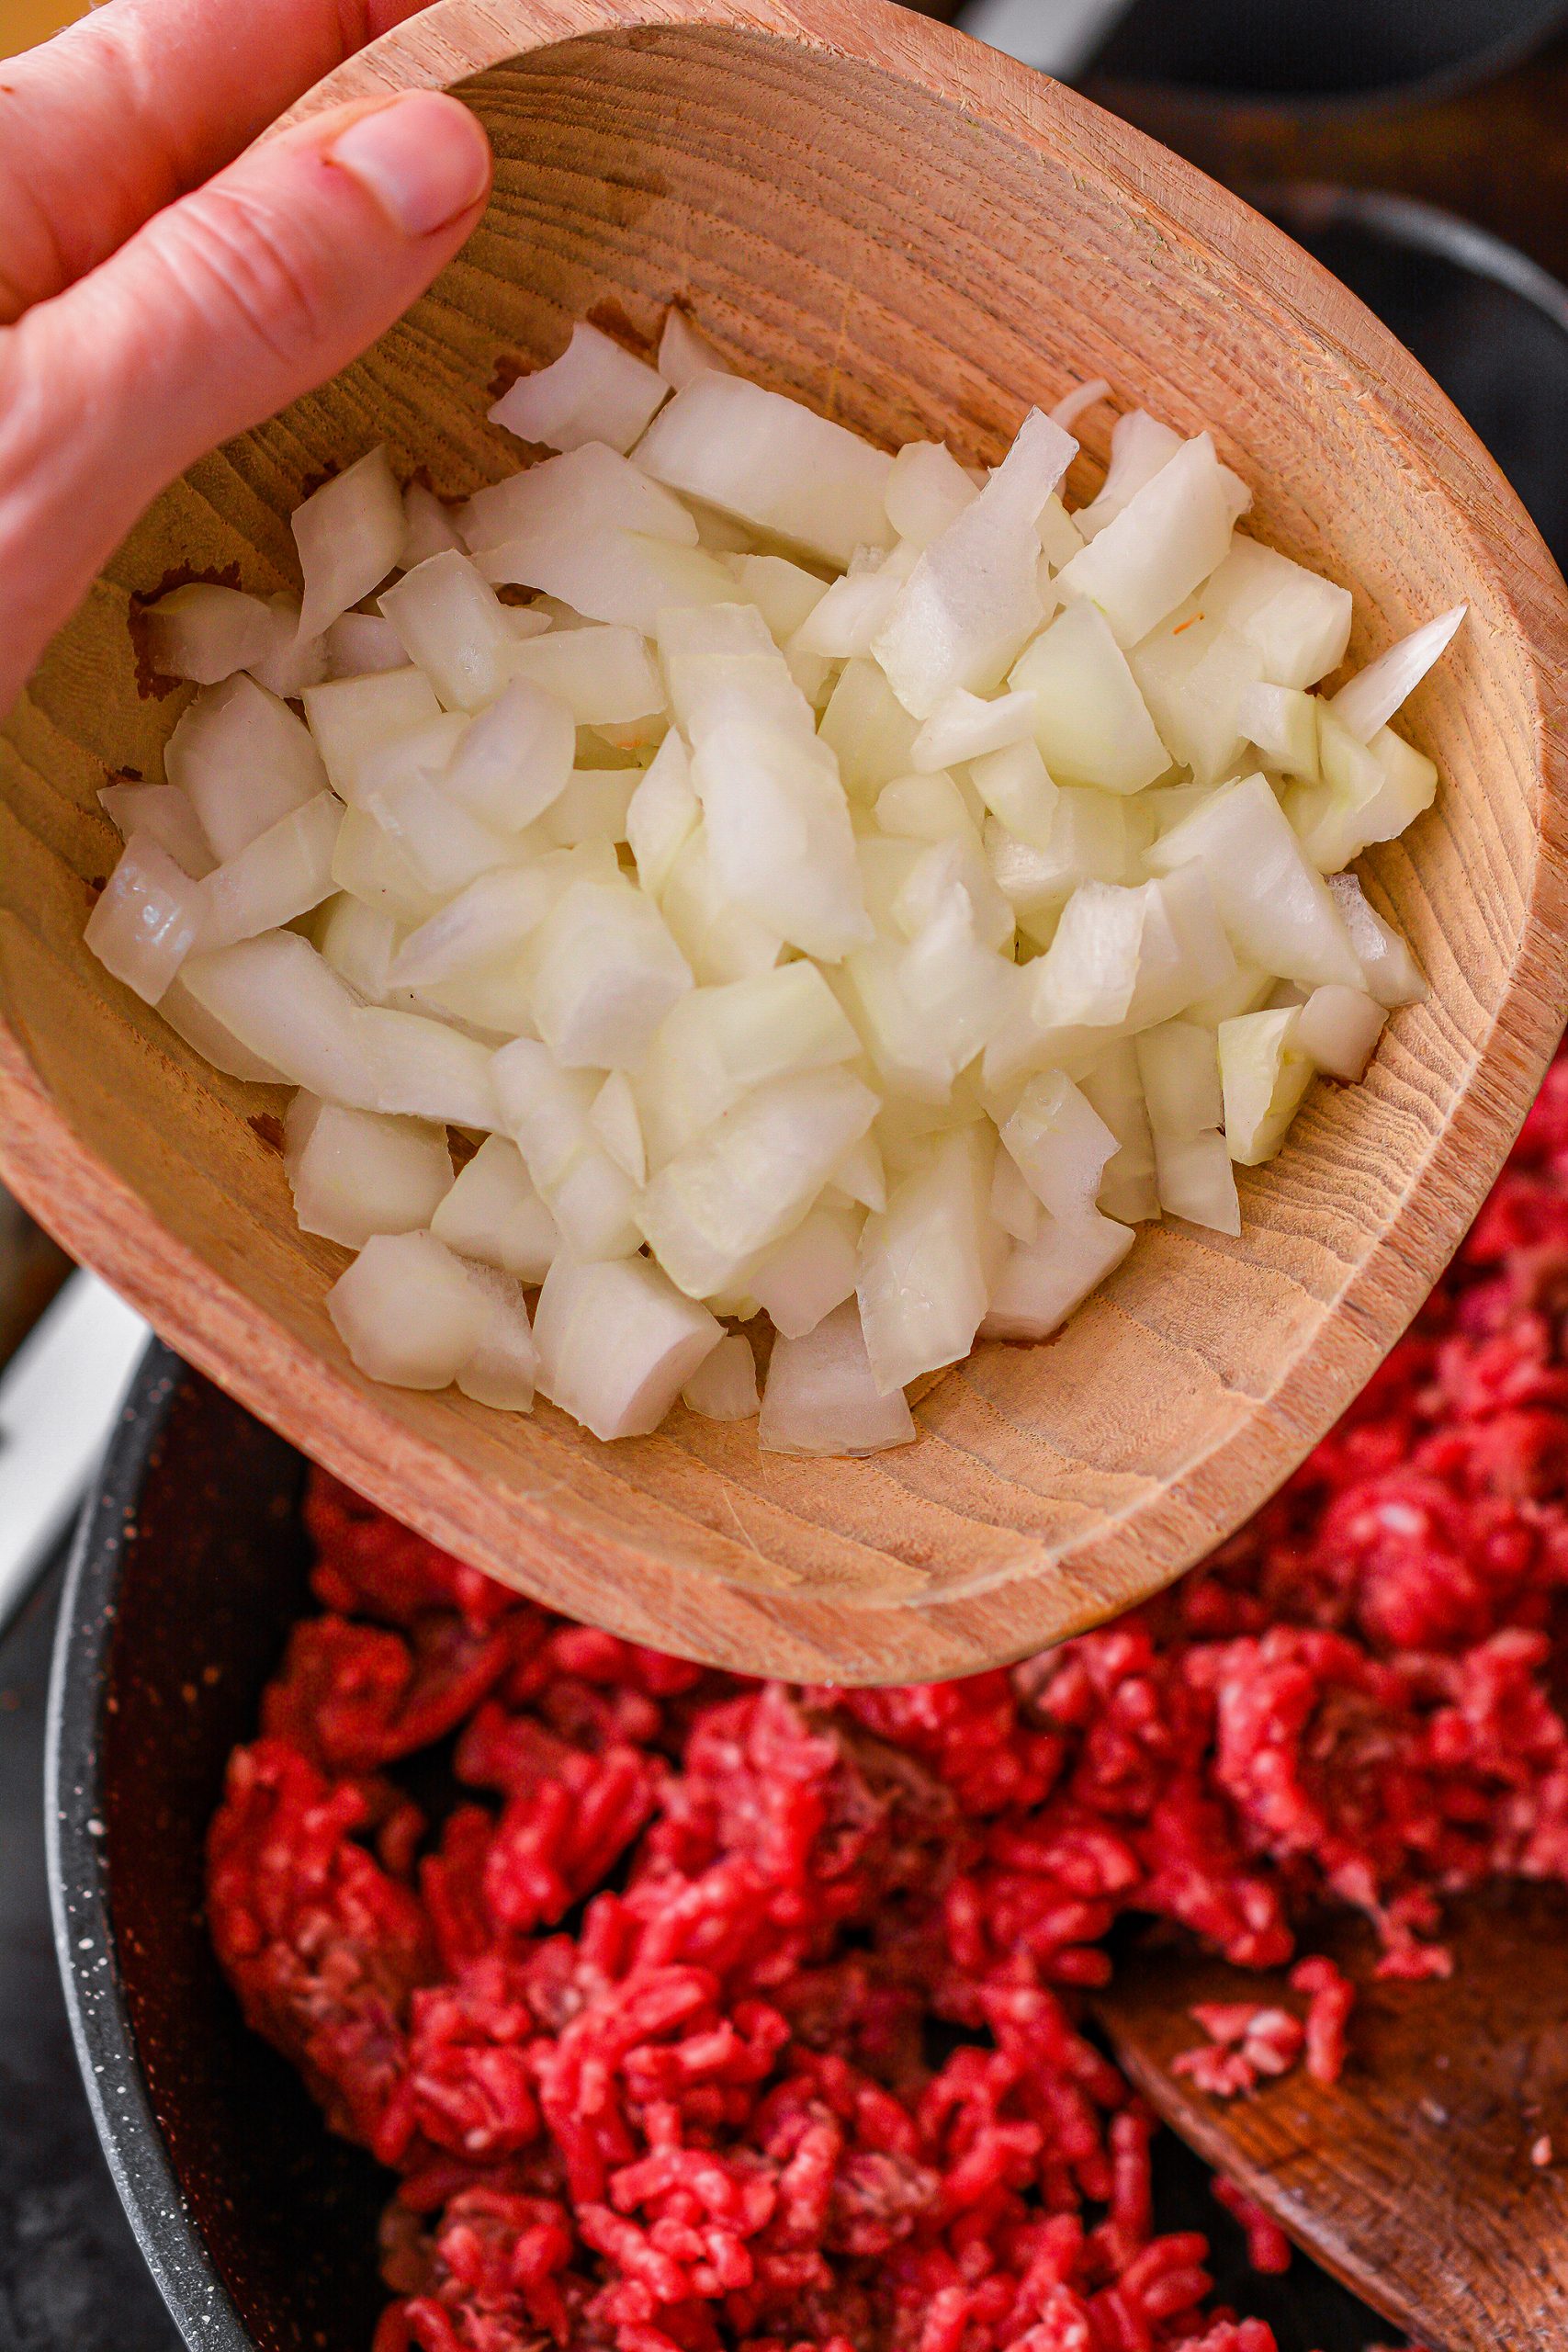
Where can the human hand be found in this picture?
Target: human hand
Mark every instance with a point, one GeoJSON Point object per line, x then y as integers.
{"type": "Point", "coordinates": [157, 296]}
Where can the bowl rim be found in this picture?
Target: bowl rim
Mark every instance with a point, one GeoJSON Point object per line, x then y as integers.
{"type": "Point", "coordinates": [573, 1557]}
{"type": "Point", "coordinates": [112, 2074]}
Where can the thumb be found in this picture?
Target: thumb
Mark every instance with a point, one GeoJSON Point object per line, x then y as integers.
{"type": "Point", "coordinates": [221, 310]}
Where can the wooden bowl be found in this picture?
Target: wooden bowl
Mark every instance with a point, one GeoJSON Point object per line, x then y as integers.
{"type": "Point", "coordinates": [921, 237]}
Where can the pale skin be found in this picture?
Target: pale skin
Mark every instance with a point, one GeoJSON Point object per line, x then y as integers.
{"type": "Point", "coordinates": [161, 288]}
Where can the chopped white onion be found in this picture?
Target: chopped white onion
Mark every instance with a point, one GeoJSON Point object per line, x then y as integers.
{"type": "Point", "coordinates": [546, 1110]}
{"type": "Point", "coordinates": [772, 463]}
{"type": "Point", "coordinates": [283, 873]}
{"type": "Point", "coordinates": [1392, 973]}
{"type": "Point", "coordinates": [810, 1273]}
{"type": "Point", "coordinates": [430, 526]}
{"type": "Point", "coordinates": [613, 1118]}
{"type": "Point", "coordinates": [352, 719]}
{"type": "Point", "coordinates": [243, 761]}
{"type": "Point", "coordinates": [684, 353]}
{"type": "Point", "coordinates": [209, 1038]}
{"type": "Point", "coordinates": [408, 1311]}
{"type": "Point", "coordinates": [927, 489]}
{"type": "Point", "coordinates": [162, 811]}
{"type": "Point", "coordinates": [606, 973]}
{"type": "Point", "coordinates": [1299, 623]}
{"type": "Point", "coordinates": [928, 1262]}
{"type": "Point", "coordinates": [724, 1387]}
{"type": "Point", "coordinates": [349, 535]}
{"type": "Point", "coordinates": [595, 391]}
{"type": "Point", "coordinates": [424, 1069]}
{"type": "Point", "coordinates": [624, 577]}
{"type": "Point", "coordinates": [1140, 446]}
{"type": "Point", "coordinates": [661, 1339]}
{"type": "Point", "coordinates": [1045, 1281]}
{"type": "Point", "coordinates": [1164, 542]}
{"type": "Point", "coordinates": [963, 727]}
{"type": "Point", "coordinates": [502, 1370]}
{"type": "Point", "coordinates": [1338, 1030]}
{"type": "Point", "coordinates": [147, 920]}
{"type": "Point", "coordinates": [1265, 1078]}
{"type": "Point", "coordinates": [515, 759]}
{"type": "Point", "coordinates": [1090, 723]}
{"type": "Point", "coordinates": [454, 628]}
{"type": "Point", "coordinates": [359, 644]}
{"type": "Point", "coordinates": [820, 1396]}
{"type": "Point", "coordinates": [1178, 1066]}
{"type": "Point", "coordinates": [206, 633]}
{"type": "Point", "coordinates": [604, 674]}
{"type": "Point", "coordinates": [592, 488]}
{"type": "Point", "coordinates": [1270, 899]}
{"type": "Point", "coordinates": [494, 1213]}
{"type": "Point", "coordinates": [1376, 693]}
{"type": "Point", "coordinates": [1059, 1144]}
{"type": "Point", "coordinates": [294, 661]}
{"type": "Point", "coordinates": [1196, 1180]}
{"type": "Point", "coordinates": [354, 1173]}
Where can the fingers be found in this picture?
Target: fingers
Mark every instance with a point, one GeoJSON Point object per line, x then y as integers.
{"type": "Point", "coordinates": [122, 113]}
{"type": "Point", "coordinates": [221, 310]}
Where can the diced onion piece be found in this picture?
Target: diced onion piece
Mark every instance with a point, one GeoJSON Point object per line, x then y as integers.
{"type": "Point", "coordinates": [243, 761]}
{"type": "Point", "coordinates": [1060, 1144]}
{"type": "Point", "coordinates": [592, 488]}
{"type": "Point", "coordinates": [148, 918]}
{"type": "Point", "coordinates": [1196, 1180]}
{"type": "Point", "coordinates": [959, 990]}
{"type": "Point", "coordinates": [662, 814]}
{"type": "Point", "coordinates": [283, 873]}
{"type": "Point", "coordinates": [162, 811]}
{"type": "Point", "coordinates": [545, 1111]}
{"type": "Point", "coordinates": [1168, 540]}
{"type": "Point", "coordinates": [1299, 623]}
{"type": "Point", "coordinates": [820, 1397]}
{"type": "Point", "coordinates": [606, 973]}
{"type": "Point", "coordinates": [1085, 841]}
{"type": "Point", "coordinates": [1020, 791]}
{"type": "Point", "coordinates": [454, 628]}
{"type": "Point", "coordinates": [351, 718]}
{"type": "Point", "coordinates": [1270, 899]}
{"type": "Point", "coordinates": [1338, 1030]}
{"type": "Point", "coordinates": [494, 1212]}
{"type": "Point", "coordinates": [779, 837]}
{"type": "Point", "coordinates": [810, 1273]}
{"type": "Point", "coordinates": [1180, 1067]}
{"type": "Point", "coordinates": [515, 759]}
{"type": "Point", "coordinates": [784, 593]}
{"type": "Point", "coordinates": [1194, 674]}
{"type": "Point", "coordinates": [429, 527]}
{"type": "Point", "coordinates": [927, 489]}
{"type": "Point", "coordinates": [1140, 446]}
{"type": "Point", "coordinates": [625, 577]}
{"type": "Point", "coordinates": [354, 1173]}
{"type": "Point", "coordinates": [1088, 975]}
{"type": "Point", "coordinates": [604, 674]}
{"type": "Point", "coordinates": [211, 1040]}
{"type": "Point", "coordinates": [485, 923]}
{"type": "Point", "coordinates": [1013, 1205]}
{"type": "Point", "coordinates": [595, 391]}
{"type": "Point", "coordinates": [684, 353]}
{"type": "Point", "coordinates": [928, 1262]}
{"type": "Point", "coordinates": [1113, 1087]}
{"type": "Point", "coordinates": [868, 730]}
{"type": "Point", "coordinates": [720, 941]}
{"type": "Point", "coordinates": [1392, 976]}
{"type": "Point", "coordinates": [293, 661]}
{"type": "Point", "coordinates": [956, 864]}
{"type": "Point", "coordinates": [843, 622]}
{"type": "Point", "coordinates": [445, 847]}
{"type": "Point", "coordinates": [1376, 693]}
{"type": "Point", "coordinates": [368, 864]}
{"type": "Point", "coordinates": [206, 633]}
{"type": "Point", "coordinates": [349, 535]}
{"type": "Point", "coordinates": [1282, 722]}
{"type": "Point", "coordinates": [359, 942]}
{"type": "Point", "coordinates": [1059, 536]}
{"type": "Point", "coordinates": [1264, 1078]}
{"type": "Point", "coordinates": [921, 808]}
{"type": "Point", "coordinates": [1090, 721]}
{"type": "Point", "coordinates": [1075, 403]}
{"type": "Point", "coordinates": [1045, 1281]}
{"type": "Point", "coordinates": [972, 601]}
{"type": "Point", "coordinates": [359, 645]}
{"type": "Point", "coordinates": [963, 727]}
{"type": "Point", "coordinates": [741, 1187]}
{"type": "Point", "coordinates": [718, 1043]}
{"type": "Point", "coordinates": [1370, 792]}
{"type": "Point", "coordinates": [613, 1118]}
{"type": "Point", "coordinates": [859, 1179]}
{"type": "Point", "coordinates": [617, 1343]}
{"type": "Point", "coordinates": [278, 999]}
{"type": "Point", "coordinates": [424, 1069]}
{"type": "Point", "coordinates": [502, 1370]}
{"type": "Point", "coordinates": [593, 808]}
{"type": "Point", "coordinates": [724, 1387]}
{"type": "Point", "coordinates": [408, 1311]}
{"type": "Point", "coordinates": [772, 463]}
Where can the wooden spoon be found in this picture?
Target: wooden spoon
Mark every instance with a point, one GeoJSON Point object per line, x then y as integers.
{"type": "Point", "coordinates": [1412, 2178]}
{"type": "Point", "coordinates": [920, 236]}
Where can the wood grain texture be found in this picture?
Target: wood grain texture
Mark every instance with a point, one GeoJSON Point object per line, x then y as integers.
{"type": "Point", "coordinates": [1411, 2178]}
{"type": "Point", "coordinates": [916, 235]}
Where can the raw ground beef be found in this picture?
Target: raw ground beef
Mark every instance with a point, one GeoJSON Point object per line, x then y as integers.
{"type": "Point", "coordinates": [727, 2014]}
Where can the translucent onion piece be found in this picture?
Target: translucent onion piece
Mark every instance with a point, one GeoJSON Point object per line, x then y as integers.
{"type": "Point", "coordinates": [1079, 401]}
{"type": "Point", "coordinates": [279, 1001]}
{"type": "Point", "coordinates": [1168, 540]}
{"type": "Point", "coordinates": [720, 941]}
{"type": "Point", "coordinates": [1091, 723]}
{"type": "Point", "coordinates": [810, 1273]}
{"type": "Point", "coordinates": [784, 593]}
{"type": "Point", "coordinates": [928, 1262]}
{"type": "Point", "coordinates": [454, 628]}
{"type": "Point", "coordinates": [727, 1198]}
{"type": "Point", "coordinates": [1140, 446]}
{"type": "Point", "coordinates": [1265, 1078]}
{"type": "Point", "coordinates": [820, 1397]}
{"type": "Point", "coordinates": [359, 942]}
{"type": "Point", "coordinates": [1045, 1281]}
{"type": "Point", "coordinates": [718, 1043]}
{"type": "Point", "coordinates": [1282, 722]}
{"type": "Point", "coordinates": [772, 463]}
{"type": "Point", "coordinates": [859, 1179]}
{"type": "Point", "coordinates": [407, 1311]}
{"type": "Point", "coordinates": [545, 1111]}
{"type": "Point", "coordinates": [243, 761]}
{"type": "Point", "coordinates": [662, 814]}
{"type": "Point", "coordinates": [590, 489]}
{"type": "Point", "coordinates": [624, 1388]}
{"type": "Point", "coordinates": [606, 973]}
{"type": "Point", "coordinates": [1391, 975]}
{"type": "Point", "coordinates": [1085, 841]}
{"type": "Point", "coordinates": [1369, 793]}
{"type": "Point", "coordinates": [162, 811]}
{"type": "Point", "coordinates": [1299, 623]}
{"type": "Point", "coordinates": [1088, 973]}
{"type": "Point", "coordinates": [515, 759]}
{"type": "Point", "coordinates": [1374, 693]}
{"type": "Point", "coordinates": [779, 837]}
{"type": "Point", "coordinates": [349, 718]}
{"type": "Point", "coordinates": [724, 1387]}
{"type": "Point", "coordinates": [595, 391]}
{"type": "Point", "coordinates": [445, 847]}
{"type": "Point", "coordinates": [613, 1118]}
{"type": "Point", "coordinates": [684, 353]}
{"type": "Point", "coordinates": [1112, 1086]}
{"type": "Point", "coordinates": [604, 674]}
{"type": "Point", "coordinates": [490, 920]}
{"type": "Point", "coordinates": [1020, 791]}
{"type": "Point", "coordinates": [1059, 1144]}
{"type": "Point", "coordinates": [369, 867]}
{"type": "Point", "coordinates": [1059, 536]}
{"type": "Point", "coordinates": [354, 1174]}
{"type": "Point", "coordinates": [1194, 674]}
{"type": "Point", "coordinates": [502, 1370]}
{"type": "Point", "coordinates": [963, 727]}
{"type": "Point", "coordinates": [927, 491]}
{"type": "Point", "coordinates": [868, 730]}
{"type": "Point", "coordinates": [1271, 901]}
{"type": "Point", "coordinates": [1185, 954]}
{"type": "Point", "coordinates": [293, 661]}
{"type": "Point", "coordinates": [494, 1213]}
{"type": "Point", "coordinates": [593, 808]}
{"type": "Point", "coordinates": [843, 623]}
{"type": "Point", "coordinates": [424, 1069]}
{"type": "Point", "coordinates": [430, 526]}
{"type": "Point", "coordinates": [283, 873]}
{"type": "Point", "coordinates": [1013, 1205]}
{"type": "Point", "coordinates": [625, 577]}
{"type": "Point", "coordinates": [147, 919]}
{"type": "Point", "coordinates": [209, 1038]}
{"type": "Point", "coordinates": [1179, 1065]}
{"type": "Point", "coordinates": [206, 633]}
{"type": "Point", "coordinates": [1338, 1030]}
{"type": "Point", "coordinates": [972, 601]}
{"type": "Point", "coordinates": [922, 808]}
{"type": "Point", "coordinates": [957, 864]}
{"type": "Point", "coordinates": [359, 644]}
{"type": "Point", "coordinates": [1196, 1180]}
{"type": "Point", "coordinates": [349, 535]}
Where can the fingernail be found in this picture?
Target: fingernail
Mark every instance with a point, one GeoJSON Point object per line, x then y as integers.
{"type": "Point", "coordinates": [423, 158]}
